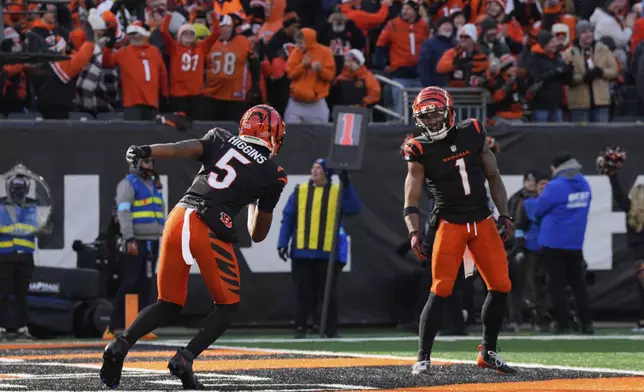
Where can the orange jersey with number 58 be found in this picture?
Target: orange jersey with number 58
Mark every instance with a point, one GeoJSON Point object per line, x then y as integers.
{"type": "Point", "coordinates": [227, 72]}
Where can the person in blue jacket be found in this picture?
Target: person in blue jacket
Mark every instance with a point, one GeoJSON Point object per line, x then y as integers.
{"type": "Point", "coordinates": [529, 276]}
{"type": "Point", "coordinates": [308, 223]}
{"type": "Point", "coordinates": [432, 50]}
{"type": "Point", "coordinates": [562, 213]}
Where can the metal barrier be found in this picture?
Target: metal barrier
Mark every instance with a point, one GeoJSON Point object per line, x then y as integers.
{"type": "Point", "coordinates": [395, 86]}
{"type": "Point", "coordinates": [468, 102]}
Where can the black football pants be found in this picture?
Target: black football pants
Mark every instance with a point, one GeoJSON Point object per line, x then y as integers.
{"type": "Point", "coordinates": [527, 288]}
{"type": "Point", "coordinates": [566, 268]}
{"type": "Point", "coordinates": [137, 277]}
{"type": "Point", "coordinates": [309, 276]}
{"type": "Point", "coordinates": [15, 274]}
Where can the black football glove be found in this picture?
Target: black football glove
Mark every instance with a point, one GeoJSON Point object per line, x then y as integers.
{"type": "Point", "coordinates": [135, 153]}
{"type": "Point", "coordinates": [417, 245]}
{"type": "Point", "coordinates": [506, 227]}
{"type": "Point", "coordinates": [283, 252]}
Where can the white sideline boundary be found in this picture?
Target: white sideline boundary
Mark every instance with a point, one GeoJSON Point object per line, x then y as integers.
{"type": "Point", "coordinates": [438, 338]}
{"type": "Point", "coordinates": [411, 359]}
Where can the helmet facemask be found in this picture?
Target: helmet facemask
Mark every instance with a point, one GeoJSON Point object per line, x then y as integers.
{"type": "Point", "coordinates": [435, 123]}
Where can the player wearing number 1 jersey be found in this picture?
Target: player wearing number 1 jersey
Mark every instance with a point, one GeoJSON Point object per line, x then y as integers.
{"type": "Point", "coordinates": [454, 161]}
{"type": "Point", "coordinates": [232, 72]}
{"type": "Point", "coordinates": [237, 171]}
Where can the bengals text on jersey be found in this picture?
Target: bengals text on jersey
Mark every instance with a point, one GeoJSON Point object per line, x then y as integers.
{"type": "Point", "coordinates": [454, 171]}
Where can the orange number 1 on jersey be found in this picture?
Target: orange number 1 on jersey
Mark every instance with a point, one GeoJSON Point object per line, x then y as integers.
{"type": "Point", "coordinates": [460, 163]}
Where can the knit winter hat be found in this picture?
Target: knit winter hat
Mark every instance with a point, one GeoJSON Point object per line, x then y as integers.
{"type": "Point", "coordinates": [583, 26]}
{"type": "Point", "coordinates": [328, 172]}
{"type": "Point", "coordinates": [357, 55]}
{"type": "Point", "coordinates": [544, 37]}
{"type": "Point", "coordinates": [201, 31]}
{"type": "Point", "coordinates": [468, 29]}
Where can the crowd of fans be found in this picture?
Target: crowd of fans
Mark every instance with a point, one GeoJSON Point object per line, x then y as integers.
{"type": "Point", "coordinates": [544, 61]}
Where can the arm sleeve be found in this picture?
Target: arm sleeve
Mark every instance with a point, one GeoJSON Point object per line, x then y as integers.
{"type": "Point", "coordinates": [446, 62]}
{"type": "Point", "coordinates": [110, 58]}
{"type": "Point", "coordinates": [294, 67]}
{"type": "Point", "coordinates": [168, 39]}
{"type": "Point", "coordinates": [620, 197]}
{"type": "Point", "coordinates": [268, 202]}
{"type": "Point", "coordinates": [70, 69]}
{"type": "Point", "coordinates": [327, 72]}
{"type": "Point", "coordinates": [207, 144]}
{"type": "Point", "coordinates": [373, 90]}
{"type": "Point", "coordinates": [350, 202]}
{"type": "Point", "coordinates": [545, 202]}
{"type": "Point", "coordinates": [124, 200]}
{"type": "Point", "coordinates": [288, 221]}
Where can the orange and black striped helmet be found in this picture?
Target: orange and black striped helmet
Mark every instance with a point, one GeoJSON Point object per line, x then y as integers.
{"type": "Point", "coordinates": [433, 112]}
{"type": "Point", "coordinates": [263, 125]}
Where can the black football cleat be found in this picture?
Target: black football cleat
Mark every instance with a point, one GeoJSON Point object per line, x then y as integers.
{"type": "Point", "coordinates": [492, 360]}
{"type": "Point", "coordinates": [181, 366]}
{"type": "Point", "coordinates": [113, 358]}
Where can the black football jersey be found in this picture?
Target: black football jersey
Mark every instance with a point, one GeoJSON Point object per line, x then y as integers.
{"type": "Point", "coordinates": [454, 171]}
{"type": "Point", "coordinates": [234, 174]}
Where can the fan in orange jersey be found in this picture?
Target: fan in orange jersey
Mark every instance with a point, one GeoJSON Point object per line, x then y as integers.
{"type": "Point", "coordinates": [143, 74]}
{"type": "Point", "coordinates": [187, 59]}
{"type": "Point", "coordinates": [232, 71]}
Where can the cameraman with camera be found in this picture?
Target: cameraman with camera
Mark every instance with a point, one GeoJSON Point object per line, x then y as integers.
{"type": "Point", "coordinates": [18, 225]}
{"type": "Point", "coordinates": [141, 216]}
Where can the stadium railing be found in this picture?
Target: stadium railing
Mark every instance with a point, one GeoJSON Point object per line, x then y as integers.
{"type": "Point", "coordinates": [469, 102]}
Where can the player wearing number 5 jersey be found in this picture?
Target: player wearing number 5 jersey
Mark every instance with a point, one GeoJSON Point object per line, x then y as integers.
{"type": "Point", "coordinates": [237, 171]}
{"type": "Point", "coordinates": [143, 74]}
{"type": "Point", "coordinates": [454, 161]}
{"type": "Point", "coordinates": [232, 72]}
{"type": "Point", "coordinates": [187, 59]}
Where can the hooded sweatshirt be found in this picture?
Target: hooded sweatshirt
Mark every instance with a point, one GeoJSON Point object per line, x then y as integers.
{"type": "Point", "coordinates": [562, 209]}
{"type": "Point", "coordinates": [308, 85]}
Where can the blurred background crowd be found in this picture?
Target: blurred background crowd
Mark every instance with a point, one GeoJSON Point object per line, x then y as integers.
{"type": "Point", "coordinates": [540, 61]}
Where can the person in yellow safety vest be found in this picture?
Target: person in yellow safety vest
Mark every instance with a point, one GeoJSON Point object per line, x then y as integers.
{"type": "Point", "coordinates": [140, 212]}
{"type": "Point", "coordinates": [308, 223]}
{"type": "Point", "coordinates": [18, 225]}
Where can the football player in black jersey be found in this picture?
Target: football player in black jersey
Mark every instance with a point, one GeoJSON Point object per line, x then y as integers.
{"type": "Point", "coordinates": [454, 161]}
{"type": "Point", "coordinates": [237, 172]}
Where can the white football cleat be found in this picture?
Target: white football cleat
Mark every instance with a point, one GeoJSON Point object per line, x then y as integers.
{"type": "Point", "coordinates": [420, 367]}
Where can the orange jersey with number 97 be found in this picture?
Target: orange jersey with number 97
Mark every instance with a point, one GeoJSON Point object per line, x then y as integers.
{"type": "Point", "coordinates": [228, 74]}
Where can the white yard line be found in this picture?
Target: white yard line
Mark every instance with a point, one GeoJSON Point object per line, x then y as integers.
{"type": "Point", "coordinates": [411, 359]}
{"type": "Point", "coordinates": [438, 338]}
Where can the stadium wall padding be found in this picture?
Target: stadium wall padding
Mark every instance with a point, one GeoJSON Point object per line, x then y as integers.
{"type": "Point", "coordinates": [378, 281]}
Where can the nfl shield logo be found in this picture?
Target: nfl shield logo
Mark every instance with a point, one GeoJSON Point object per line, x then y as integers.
{"type": "Point", "coordinates": [453, 148]}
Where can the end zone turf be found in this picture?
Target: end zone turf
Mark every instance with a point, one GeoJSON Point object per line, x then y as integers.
{"type": "Point", "coordinates": [74, 366]}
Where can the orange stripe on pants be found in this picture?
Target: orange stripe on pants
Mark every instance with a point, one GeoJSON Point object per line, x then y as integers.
{"type": "Point", "coordinates": [216, 259]}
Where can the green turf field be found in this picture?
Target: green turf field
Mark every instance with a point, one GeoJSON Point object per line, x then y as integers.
{"type": "Point", "coordinates": [592, 353]}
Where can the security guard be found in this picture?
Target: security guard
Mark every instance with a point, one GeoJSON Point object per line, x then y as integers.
{"type": "Point", "coordinates": [18, 226]}
{"type": "Point", "coordinates": [141, 216]}
{"type": "Point", "coordinates": [308, 221]}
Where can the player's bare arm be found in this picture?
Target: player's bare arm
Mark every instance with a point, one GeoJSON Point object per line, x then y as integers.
{"type": "Point", "coordinates": [259, 223]}
{"type": "Point", "coordinates": [497, 188]}
{"type": "Point", "coordinates": [413, 193]}
{"type": "Point", "coordinates": [183, 149]}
